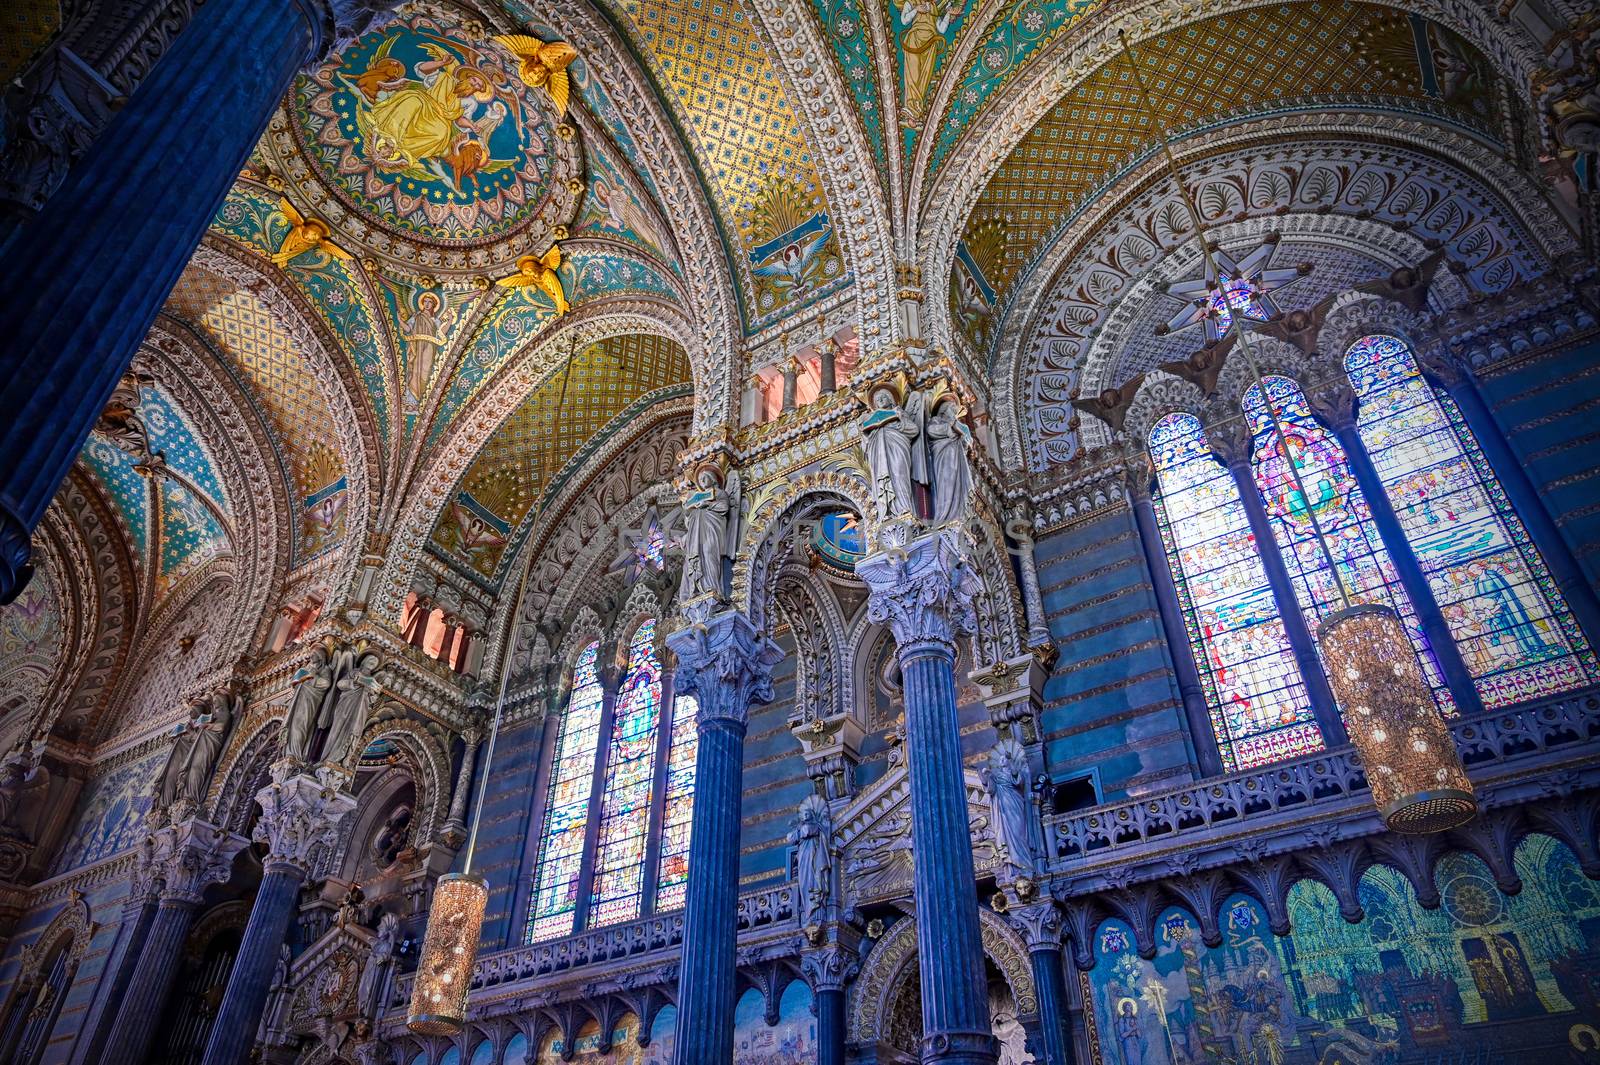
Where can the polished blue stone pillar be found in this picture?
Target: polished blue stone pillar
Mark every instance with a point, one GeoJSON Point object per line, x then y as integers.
{"type": "Point", "coordinates": [1233, 445]}
{"type": "Point", "coordinates": [138, 915]}
{"type": "Point", "coordinates": [827, 970]}
{"type": "Point", "coordinates": [1336, 405]}
{"type": "Point", "coordinates": [1196, 714]}
{"type": "Point", "coordinates": [301, 817]}
{"type": "Point", "coordinates": [1040, 923]}
{"type": "Point", "coordinates": [727, 665]}
{"type": "Point", "coordinates": [923, 592]}
{"type": "Point", "coordinates": [178, 861]}
{"type": "Point", "coordinates": [1520, 492]}
{"type": "Point", "coordinates": [87, 275]}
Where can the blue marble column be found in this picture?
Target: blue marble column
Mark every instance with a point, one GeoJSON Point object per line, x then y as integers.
{"type": "Point", "coordinates": [1520, 492]}
{"type": "Point", "coordinates": [1202, 734]}
{"type": "Point", "coordinates": [138, 915]}
{"type": "Point", "coordinates": [1233, 444]}
{"type": "Point", "coordinates": [182, 860]}
{"type": "Point", "coordinates": [827, 970]}
{"type": "Point", "coordinates": [87, 275]}
{"type": "Point", "coordinates": [1040, 923]}
{"type": "Point", "coordinates": [727, 665]}
{"type": "Point", "coordinates": [1336, 405]}
{"type": "Point", "coordinates": [923, 592]}
{"type": "Point", "coordinates": [301, 817]}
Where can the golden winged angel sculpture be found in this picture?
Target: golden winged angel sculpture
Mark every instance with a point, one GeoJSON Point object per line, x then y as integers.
{"type": "Point", "coordinates": [540, 270]}
{"type": "Point", "coordinates": [305, 234]}
{"type": "Point", "coordinates": [543, 66]}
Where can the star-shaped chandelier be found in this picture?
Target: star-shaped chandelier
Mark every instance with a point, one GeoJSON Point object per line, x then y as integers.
{"type": "Point", "coordinates": [1244, 287]}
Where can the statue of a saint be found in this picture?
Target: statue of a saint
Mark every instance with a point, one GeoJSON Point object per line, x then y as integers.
{"type": "Point", "coordinates": [357, 687]}
{"type": "Point", "coordinates": [895, 459]}
{"type": "Point", "coordinates": [812, 836]}
{"type": "Point", "coordinates": [170, 782]}
{"type": "Point", "coordinates": [313, 689]}
{"type": "Point", "coordinates": [711, 523]}
{"type": "Point", "coordinates": [1007, 779]}
{"type": "Point", "coordinates": [949, 438]}
{"type": "Point", "coordinates": [21, 776]}
{"type": "Point", "coordinates": [384, 945]}
{"type": "Point", "coordinates": [207, 733]}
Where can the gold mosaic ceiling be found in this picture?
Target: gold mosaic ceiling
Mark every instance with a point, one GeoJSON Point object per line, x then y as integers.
{"type": "Point", "coordinates": [1246, 62]}
{"type": "Point", "coordinates": [536, 441]}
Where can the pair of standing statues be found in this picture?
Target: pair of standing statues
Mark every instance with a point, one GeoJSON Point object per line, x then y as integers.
{"type": "Point", "coordinates": [907, 445]}
{"type": "Point", "coordinates": [332, 697]}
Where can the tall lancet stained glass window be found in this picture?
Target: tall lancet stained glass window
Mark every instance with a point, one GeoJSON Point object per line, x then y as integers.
{"type": "Point", "coordinates": [1508, 618]}
{"type": "Point", "coordinates": [1258, 702]}
{"type": "Point", "coordinates": [566, 818]}
{"type": "Point", "coordinates": [672, 879]}
{"type": "Point", "coordinates": [1341, 512]}
{"type": "Point", "coordinates": [629, 786]}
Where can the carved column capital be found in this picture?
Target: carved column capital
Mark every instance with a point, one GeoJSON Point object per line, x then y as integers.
{"type": "Point", "coordinates": [922, 591]}
{"type": "Point", "coordinates": [1335, 403]}
{"type": "Point", "coordinates": [1230, 438]}
{"type": "Point", "coordinates": [725, 664]}
{"type": "Point", "coordinates": [182, 860]}
{"type": "Point", "coordinates": [302, 814]}
{"type": "Point", "coordinates": [1040, 923]}
{"type": "Point", "coordinates": [829, 967]}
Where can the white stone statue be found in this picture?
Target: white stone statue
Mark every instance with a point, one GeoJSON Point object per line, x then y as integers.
{"type": "Point", "coordinates": [207, 733]}
{"type": "Point", "coordinates": [1011, 1037]}
{"type": "Point", "coordinates": [384, 946]}
{"type": "Point", "coordinates": [812, 837]}
{"type": "Point", "coordinates": [892, 438]}
{"type": "Point", "coordinates": [1007, 779]}
{"type": "Point", "coordinates": [948, 439]}
{"type": "Point", "coordinates": [711, 529]}
{"type": "Point", "coordinates": [169, 784]}
{"type": "Point", "coordinates": [356, 688]}
{"type": "Point", "coordinates": [313, 689]}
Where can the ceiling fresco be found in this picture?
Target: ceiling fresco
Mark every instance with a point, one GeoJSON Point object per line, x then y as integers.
{"type": "Point", "coordinates": [714, 60]}
{"type": "Point", "coordinates": [25, 27]}
{"type": "Point", "coordinates": [285, 386]}
{"type": "Point", "coordinates": [32, 631]}
{"type": "Point", "coordinates": [1256, 60]}
{"type": "Point", "coordinates": [531, 447]}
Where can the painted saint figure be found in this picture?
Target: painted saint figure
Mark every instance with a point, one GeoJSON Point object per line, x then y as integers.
{"type": "Point", "coordinates": [426, 333]}
{"type": "Point", "coordinates": [922, 44]}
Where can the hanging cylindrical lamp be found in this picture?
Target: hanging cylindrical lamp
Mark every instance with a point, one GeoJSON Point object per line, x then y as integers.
{"type": "Point", "coordinates": [1413, 768]}
{"type": "Point", "coordinates": [455, 920]}
{"type": "Point", "coordinates": [449, 951]}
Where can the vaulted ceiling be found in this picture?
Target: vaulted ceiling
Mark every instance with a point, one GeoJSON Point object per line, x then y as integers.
{"type": "Point", "coordinates": [422, 237]}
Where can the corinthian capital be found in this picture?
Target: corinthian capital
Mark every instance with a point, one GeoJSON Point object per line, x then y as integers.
{"type": "Point", "coordinates": [830, 967]}
{"type": "Point", "coordinates": [184, 858]}
{"type": "Point", "coordinates": [725, 664]}
{"type": "Point", "coordinates": [301, 817]}
{"type": "Point", "coordinates": [922, 591]}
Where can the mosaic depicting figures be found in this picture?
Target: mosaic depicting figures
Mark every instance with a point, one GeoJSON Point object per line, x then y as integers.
{"type": "Point", "coordinates": [429, 129]}
{"type": "Point", "coordinates": [1508, 979]}
{"type": "Point", "coordinates": [792, 1041]}
{"type": "Point", "coordinates": [110, 814]}
{"type": "Point", "coordinates": [624, 1049]}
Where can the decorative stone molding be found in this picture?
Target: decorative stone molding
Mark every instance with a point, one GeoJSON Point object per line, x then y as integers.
{"type": "Point", "coordinates": [829, 968]}
{"type": "Point", "coordinates": [180, 861]}
{"type": "Point", "coordinates": [1013, 690]}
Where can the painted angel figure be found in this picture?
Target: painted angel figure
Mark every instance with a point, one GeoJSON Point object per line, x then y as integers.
{"type": "Point", "coordinates": [895, 457]}
{"type": "Point", "coordinates": [812, 837]}
{"type": "Point", "coordinates": [1006, 780]}
{"type": "Point", "coordinates": [711, 524]}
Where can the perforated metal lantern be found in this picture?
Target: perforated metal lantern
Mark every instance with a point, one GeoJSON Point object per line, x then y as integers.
{"type": "Point", "coordinates": [1411, 761]}
{"type": "Point", "coordinates": [449, 949]}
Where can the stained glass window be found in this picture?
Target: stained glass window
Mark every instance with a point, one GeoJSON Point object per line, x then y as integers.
{"type": "Point", "coordinates": [1258, 702]}
{"type": "Point", "coordinates": [1234, 294]}
{"type": "Point", "coordinates": [1508, 618]}
{"type": "Point", "coordinates": [672, 880]}
{"type": "Point", "coordinates": [1339, 508]}
{"type": "Point", "coordinates": [566, 818]}
{"type": "Point", "coordinates": [629, 785]}
{"type": "Point", "coordinates": [654, 548]}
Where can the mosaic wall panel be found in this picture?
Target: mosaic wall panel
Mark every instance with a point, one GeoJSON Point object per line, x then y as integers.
{"type": "Point", "coordinates": [110, 814]}
{"type": "Point", "coordinates": [1483, 978]}
{"type": "Point", "coordinates": [625, 1049]}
